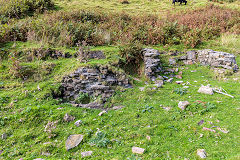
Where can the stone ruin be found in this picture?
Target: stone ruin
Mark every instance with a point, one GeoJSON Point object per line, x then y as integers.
{"type": "Point", "coordinates": [211, 58]}
{"type": "Point", "coordinates": [49, 53]}
{"type": "Point", "coordinates": [152, 63]}
{"type": "Point", "coordinates": [100, 82]}
{"type": "Point", "coordinates": [97, 82]}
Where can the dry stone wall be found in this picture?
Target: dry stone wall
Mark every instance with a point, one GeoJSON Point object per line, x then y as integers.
{"type": "Point", "coordinates": [211, 58]}
{"type": "Point", "coordinates": [152, 63]}
{"type": "Point", "coordinates": [99, 81]}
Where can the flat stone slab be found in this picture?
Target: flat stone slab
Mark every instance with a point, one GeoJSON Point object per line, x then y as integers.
{"type": "Point", "coordinates": [73, 141]}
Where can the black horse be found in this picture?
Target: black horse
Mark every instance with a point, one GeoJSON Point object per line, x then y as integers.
{"type": "Point", "coordinates": [181, 1]}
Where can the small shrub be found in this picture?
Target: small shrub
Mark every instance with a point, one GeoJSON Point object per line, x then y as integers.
{"type": "Point", "coordinates": [100, 140]}
{"type": "Point", "coordinates": [180, 91]}
{"type": "Point", "coordinates": [21, 8]}
{"type": "Point", "coordinates": [147, 108]}
{"type": "Point", "coordinates": [131, 52]}
{"type": "Point", "coordinates": [83, 98]}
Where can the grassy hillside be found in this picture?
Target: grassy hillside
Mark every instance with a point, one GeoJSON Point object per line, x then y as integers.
{"type": "Point", "coordinates": [27, 87]}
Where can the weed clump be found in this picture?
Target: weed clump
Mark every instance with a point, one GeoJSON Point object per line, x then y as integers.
{"type": "Point", "coordinates": [100, 140]}
{"type": "Point", "coordinates": [20, 8]}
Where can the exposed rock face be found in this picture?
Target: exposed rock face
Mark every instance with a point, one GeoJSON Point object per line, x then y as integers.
{"type": "Point", "coordinates": [212, 58]}
{"type": "Point", "coordinates": [98, 82]}
{"type": "Point", "coordinates": [152, 63]}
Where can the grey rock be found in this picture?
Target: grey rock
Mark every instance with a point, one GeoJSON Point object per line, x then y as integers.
{"type": "Point", "coordinates": [183, 104]}
{"type": "Point", "coordinates": [159, 83]}
{"type": "Point", "coordinates": [141, 88]}
{"type": "Point", "coordinates": [170, 80]}
{"type": "Point", "coordinates": [4, 136]}
{"type": "Point", "coordinates": [172, 61]}
{"type": "Point", "coordinates": [73, 141]}
{"type": "Point", "coordinates": [138, 150]}
{"type": "Point", "coordinates": [78, 123]}
{"type": "Point", "coordinates": [117, 107]}
{"type": "Point", "coordinates": [101, 113]}
{"type": "Point", "coordinates": [191, 55]}
{"type": "Point", "coordinates": [206, 90]}
{"type": "Point", "coordinates": [87, 153]}
{"type": "Point", "coordinates": [179, 82]}
{"type": "Point", "coordinates": [202, 153]}
{"type": "Point", "coordinates": [68, 118]}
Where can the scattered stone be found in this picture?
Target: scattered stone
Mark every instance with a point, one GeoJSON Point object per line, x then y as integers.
{"type": "Point", "coordinates": [138, 150]}
{"type": "Point", "coordinates": [46, 154]}
{"type": "Point", "coordinates": [78, 123]}
{"type": "Point", "coordinates": [172, 61]}
{"type": "Point", "coordinates": [4, 136]}
{"type": "Point", "coordinates": [73, 141]}
{"type": "Point", "coordinates": [185, 87]}
{"type": "Point", "coordinates": [47, 143]}
{"type": "Point", "coordinates": [101, 113]}
{"type": "Point", "coordinates": [167, 108]}
{"type": "Point", "coordinates": [159, 83]}
{"type": "Point", "coordinates": [208, 129]}
{"type": "Point", "coordinates": [91, 105]}
{"type": "Point", "coordinates": [178, 76]}
{"type": "Point", "coordinates": [206, 90]}
{"type": "Point", "coordinates": [170, 80]}
{"type": "Point", "coordinates": [117, 107]}
{"type": "Point", "coordinates": [50, 127]}
{"type": "Point", "coordinates": [222, 130]}
{"type": "Point", "coordinates": [59, 108]}
{"type": "Point", "coordinates": [200, 122]}
{"type": "Point", "coordinates": [201, 135]}
{"type": "Point", "coordinates": [179, 82]}
{"type": "Point", "coordinates": [141, 89]}
{"type": "Point", "coordinates": [202, 153]}
{"type": "Point", "coordinates": [183, 104]}
{"type": "Point", "coordinates": [68, 118]}
{"type": "Point", "coordinates": [148, 138]}
{"type": "Point", "coordinates": [193, 71]}
{"type": "Point", "coordinates": [86, 154]}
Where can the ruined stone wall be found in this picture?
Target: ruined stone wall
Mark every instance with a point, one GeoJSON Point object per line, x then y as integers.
{"type": "Point", "coordinates": [152, 63]}
{"type": "Point", "coordinates": [98, 81]}
{"type": "Point", "coordinates": [211, 58]}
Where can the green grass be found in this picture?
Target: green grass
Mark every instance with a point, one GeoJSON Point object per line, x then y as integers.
{"type": "Point", "coordinates": [174, 134]}
{"type": "Point", "coordinates": [158, 7]}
